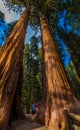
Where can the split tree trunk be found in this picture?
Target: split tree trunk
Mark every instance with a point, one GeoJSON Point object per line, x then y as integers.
{"type": "Point", "coordinates": [57, 92]}
{"type": "Point", "coordinates": [10, 64]}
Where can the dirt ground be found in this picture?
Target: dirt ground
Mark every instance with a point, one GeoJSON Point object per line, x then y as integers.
{"type": "Point", "coordinates": [28, 124]}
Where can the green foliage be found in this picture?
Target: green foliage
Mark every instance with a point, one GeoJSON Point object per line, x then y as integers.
{"type": "Point", "coordinates": [47, 7]}
{"type": "Point", "coordinates": [32, 84]}
{"type": "Point", "coordinates": [72, 41]}
{"type": "Point", "coordinates": [74, 79]}
{"type": "Point", "coordinates": [2, 17]}
{"type": "Point", "coordinates": [72, 6]}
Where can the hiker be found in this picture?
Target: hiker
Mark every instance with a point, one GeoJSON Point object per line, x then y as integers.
{"type": "Point", "coordinates": [33, 109]}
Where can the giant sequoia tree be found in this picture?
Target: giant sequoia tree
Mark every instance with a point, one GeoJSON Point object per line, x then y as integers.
{"type": "Point", "coordinates": [11, 68]}
{"type": "Point", "coordinates": [57, 92]}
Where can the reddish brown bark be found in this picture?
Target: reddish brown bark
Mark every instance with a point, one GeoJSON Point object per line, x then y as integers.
{"type": "Point", "coordinates": [17, 110]}
{"type": "Point", "coordinates": [58, 95]}
{"type": "Point", "coordinates": [10, 64]}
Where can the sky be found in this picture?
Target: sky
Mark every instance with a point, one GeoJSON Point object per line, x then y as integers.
{"type": "Point", "coordinates": [11, 16]}
{"type": "Point", "coordinates": [64, 24]}
{"type": "Point", "coordinates": [3, 27]}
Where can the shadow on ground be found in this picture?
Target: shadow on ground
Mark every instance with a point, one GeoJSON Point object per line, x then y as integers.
{"type": "Point", "coordinates": [26, 125]}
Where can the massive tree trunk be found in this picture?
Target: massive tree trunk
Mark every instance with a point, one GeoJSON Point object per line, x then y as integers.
{"type": "Point", "coordinates": [17, 111]}
{"type": "Point", "coordinates": [58, 95]}
{"type": "Point", "coordinates": [10, 64]}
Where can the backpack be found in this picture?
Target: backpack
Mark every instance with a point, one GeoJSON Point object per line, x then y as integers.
{"type": "Point", "coordinates": [33, 106]}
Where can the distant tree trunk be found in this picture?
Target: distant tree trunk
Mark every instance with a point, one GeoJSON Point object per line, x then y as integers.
{"type": "Point", "coordinates": [10, 64]}
{"type": "Point", "coordinates": [72, 48]}
{"type": "Point", "coordinates": [57, 92]}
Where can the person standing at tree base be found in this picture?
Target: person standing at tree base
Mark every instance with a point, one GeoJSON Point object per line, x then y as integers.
{"type": "Point", "coordinates": [33, 110]}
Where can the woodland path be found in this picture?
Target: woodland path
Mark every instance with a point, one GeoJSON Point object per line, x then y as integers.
{"type": "Point", "coordinates": [27, 124]}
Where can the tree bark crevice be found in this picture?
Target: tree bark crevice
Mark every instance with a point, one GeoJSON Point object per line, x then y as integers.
{"type": "Point", "coordinates": [11, 57]}
{"type": "Point", "coordinates": [58, 95]}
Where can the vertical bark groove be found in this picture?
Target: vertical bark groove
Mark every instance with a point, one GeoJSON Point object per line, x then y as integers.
{"type": "Point", "coordinates": [58, 95]}
{"type": "Point", "coordinates": [10, 65]}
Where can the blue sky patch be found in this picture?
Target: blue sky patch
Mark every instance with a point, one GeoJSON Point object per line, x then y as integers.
{"type": "Point", "coordinates": [3, 28]}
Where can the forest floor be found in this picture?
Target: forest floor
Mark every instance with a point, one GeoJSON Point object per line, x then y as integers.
{"type": "Point", "coordinates": [27, 124]}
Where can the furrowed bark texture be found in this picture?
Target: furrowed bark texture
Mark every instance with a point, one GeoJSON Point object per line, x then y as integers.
{"type": "Point", "coordinates": [58, 95]}
{"type": "Point", "coordinates": [10, 65]}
